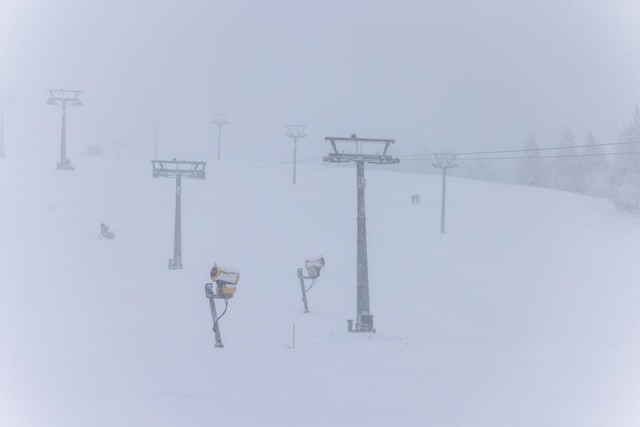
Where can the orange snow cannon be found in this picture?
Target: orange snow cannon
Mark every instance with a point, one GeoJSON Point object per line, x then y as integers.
{"type": "Point", "coordinates": [313, 266]}
{"type": "Point", "coordinates": [226, 280]}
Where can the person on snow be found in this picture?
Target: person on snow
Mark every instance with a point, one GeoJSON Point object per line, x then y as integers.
{"type": "Point", "coordinates": [105, 232]}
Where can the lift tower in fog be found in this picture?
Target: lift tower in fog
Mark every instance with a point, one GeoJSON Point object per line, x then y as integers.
{"type": "Point", "coordinates": [220, 119]}
{"type": "Point", "coordinates": [444, 161]}
{"type": "Point", "coordinates": [64, 97]}
{"type": "Point", "coordinates": [178, 169]}
{"type": "Point", "coordinates": [156, 123]}
{"type": "Point", "coordinates": [364, 318]}
{"type": "Point", "coordinates": [4, 97]}
{"type": "Point", "coordinates": [295, 132]}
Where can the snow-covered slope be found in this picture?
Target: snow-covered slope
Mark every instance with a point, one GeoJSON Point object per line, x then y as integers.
{"type": "Point", "coordinates": [524, 314]}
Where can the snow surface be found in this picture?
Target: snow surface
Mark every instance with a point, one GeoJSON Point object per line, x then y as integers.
{"type": "Point", "coordinates": [525, 313]}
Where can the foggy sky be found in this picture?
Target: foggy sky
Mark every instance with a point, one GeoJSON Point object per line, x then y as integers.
{"type": "Point", "coordinates": [442, 74]}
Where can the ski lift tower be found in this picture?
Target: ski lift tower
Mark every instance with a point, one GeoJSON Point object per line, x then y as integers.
{"type": "Point", "coordinates": [4, 97]}
{"type": "Point", "coordinates": [364, 318]}
{"type": "Point", "coordinates": [178, 169]}
{"type": "Point", "coordinates": [64, 97]}
{"type": "Point", "coordinates": [444, 161]}
{"type": "Point", "coordinates": [295, 132]}
{"type": "Point", "coordinates": [220, 119]}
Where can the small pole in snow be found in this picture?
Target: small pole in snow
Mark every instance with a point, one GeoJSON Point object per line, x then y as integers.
{"type": "Point", "coordinates": [444, 161]}
{"type": "Point", "coordinates": [294, 337]}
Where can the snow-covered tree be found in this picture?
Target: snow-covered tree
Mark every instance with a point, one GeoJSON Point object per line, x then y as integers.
{"type": "Point", "coordinates": [595, 169]}
{"type": "Point", "coordinates": [530, 169]}
{"type": "Point", "coordinates": [564, 170]}
{"type": "Point", "coordinates": [625, 176]}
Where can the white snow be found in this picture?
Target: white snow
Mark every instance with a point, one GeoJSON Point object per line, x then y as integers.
{"type": "Point", "coordinates": [525, 313]}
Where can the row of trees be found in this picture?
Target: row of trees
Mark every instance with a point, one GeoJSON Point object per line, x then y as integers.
{"type": "Point", "coordinates": [590, 170]}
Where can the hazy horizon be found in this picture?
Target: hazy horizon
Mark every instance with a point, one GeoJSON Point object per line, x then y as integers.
{"type": "Point", "coordinates": [463, 75]}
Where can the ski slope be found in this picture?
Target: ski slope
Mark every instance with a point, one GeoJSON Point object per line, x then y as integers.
{"type": "Point", "coordinates": [525, 313]}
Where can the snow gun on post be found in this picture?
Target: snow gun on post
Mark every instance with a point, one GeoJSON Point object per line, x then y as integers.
{"type": "Point", "coordinates": [313, 266]}
{"type": "Point", "coordinates": [225, 281]}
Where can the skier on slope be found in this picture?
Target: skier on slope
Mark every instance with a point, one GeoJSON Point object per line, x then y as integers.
{"type": "Point", "coordinates": [105, 232]}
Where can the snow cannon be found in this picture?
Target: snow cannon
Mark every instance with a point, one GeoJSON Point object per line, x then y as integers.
{"type": "Point", "coordinates": [226, 280]}
{"type": "Point", "coordinates": [313, 266]}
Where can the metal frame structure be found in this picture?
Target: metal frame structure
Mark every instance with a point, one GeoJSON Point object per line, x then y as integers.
{"type": "Point", "coordinates": [364, 319]}
{"type": "Point", "coordinates": [4, 97]}
{"type": "Point", "coordinates": [295, 132]}
{"type": "Point", "coordinates": [304, 289]}
{"type": "Point", "coordinates": [208, 291]}
{"type": "Point", "coordinates": [64, 97]}
{"type": "Point", "coordinates": [178, 169]}
{"type": "Point", "coordinates": [220, 119]}
{"type": "Point", "coordinates": [444, 161]}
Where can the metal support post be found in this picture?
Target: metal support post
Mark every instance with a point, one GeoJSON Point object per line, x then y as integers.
{"type": "Point", "coordinates": [364, 319]}
{"type": "Point", "coordinates": [220, 120]}
{"type": "Point", "coordinates": [214, 314]}
{"type": "Point", "coordinates": [444, 194]}
{"type": "Point", "coordinates": [177, 237]}
{"type": "Point", "coordinates": [304, 291]}
{"type": "Point", "coordinates": [444, 161]}
{"type": "Point", "coordinates": [64, 97]}
{"type": "Point", "coordinates": [295, 158]}
{"type": "Point", "coordinates": [363, 267]}
{"type": "Point", "coordinates": [2, 100]}
{"type": "Point", "coordinates": [63, 138]}
{"type": "Point", "coordinates": [295, 132]}
{"type": "Point", "coordinates": [219, 139]}
{"type": "Point", "coordinates": [178, 169]}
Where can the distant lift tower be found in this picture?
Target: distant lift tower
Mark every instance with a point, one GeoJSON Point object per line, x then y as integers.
{"type": "Point", "coordinates": [295, 132]}
{"type": "Point", "coordinates": [364, 319]}
{"type": "Point", "coordinates": [178, 169]}
{"type": "Point", "coordinates": [64, 97]}
{"type": "Point", "coordinates": [444, 161]}
{"type": "Point", "coordinates": [4, 97]}
{"type": "Point", "coordinates": [156, 124]}
{"type": "Point", "coordinates": [220, 119]}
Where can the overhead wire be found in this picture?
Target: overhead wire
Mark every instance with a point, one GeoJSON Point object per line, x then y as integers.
{"type": "Point", "coordinates": [549, 157]}
{"type": "Point", "coordinates": [526, 150]}
{"type": "Point", "coordinates": [269, 165]}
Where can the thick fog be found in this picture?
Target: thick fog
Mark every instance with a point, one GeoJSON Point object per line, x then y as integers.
{"type": "Point", "coordinates": [504, 292]}
{"type": "Point", "coordinates": [446, 75]}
